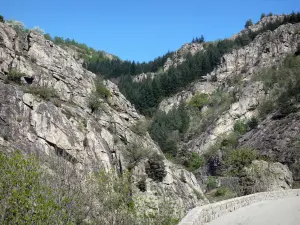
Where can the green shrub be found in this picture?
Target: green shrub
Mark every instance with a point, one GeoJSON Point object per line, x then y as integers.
{"type": "Point", "coordinates": [140, 127]}
{"type": "Point", "coordinates": [101, 90]}
{"type": "Point", "coordinates": [240, 127]}
{"type": "Point", "coordinates": [237, 159]}
{"type": "Point", "coordinates": [252, 123]}
{"type": "Point", "coordinates": [94, 102]}
{"type": "Point", "coordinates": [265, 108]}
{"type": "Point", "coordinates": [24, 199]}
{"type": "Point", "coordinates": [211, 183]}
{"type": "Point", "coordinates": [18, 26]}
{"type": "Point", "coordinates": [195, 161]}
{"type": "Point", "coordinates": [199, 100]}
{"type": "Point", "coordinates": [155, 168]}
{"type": "Point", "coordinates": [45, 93]}
{"type": "Point", "coordinates": [223, 192]}
{"type": "Point", "coordinates": [15, 76]}
{"type": "Point", "coordinates": [2, 19]}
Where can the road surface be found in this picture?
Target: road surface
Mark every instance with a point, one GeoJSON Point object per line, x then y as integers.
{"type": "Point", "coordinates": [285, 211]}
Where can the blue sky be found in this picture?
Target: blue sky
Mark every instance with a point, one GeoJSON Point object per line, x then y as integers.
{"type": "Point", "coordinates": [141, 30]}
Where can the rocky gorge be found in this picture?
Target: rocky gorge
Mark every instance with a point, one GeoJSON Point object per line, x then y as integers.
{"type": "Point", "coordinates": [51, 106]}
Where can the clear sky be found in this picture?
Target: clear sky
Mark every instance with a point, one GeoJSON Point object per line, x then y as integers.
{"type": "Point", "coordinates": [141, 30]}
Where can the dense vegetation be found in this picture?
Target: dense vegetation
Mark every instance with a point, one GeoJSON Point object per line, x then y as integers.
{"type": "Point", "coordinates": [112, 68]}
{"type": "Point", "coordinates": [31, 195]}
{"type": "Point", "coordinates": [147, 95]}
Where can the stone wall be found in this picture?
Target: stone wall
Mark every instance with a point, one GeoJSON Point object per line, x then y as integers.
{"type": "Point", "coordinates": [206, 213]}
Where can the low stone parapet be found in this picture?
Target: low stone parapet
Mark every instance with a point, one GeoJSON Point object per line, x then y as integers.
{"type": "Point", "coordinates": [204, 214]}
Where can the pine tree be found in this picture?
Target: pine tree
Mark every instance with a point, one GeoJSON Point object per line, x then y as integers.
{"type": "Point", "coordinates": [248, 23]}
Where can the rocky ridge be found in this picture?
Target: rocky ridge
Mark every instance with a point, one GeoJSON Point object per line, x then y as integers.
{"type": "Point", "coordinates": [267, 49]}
{"type": "Point", "coordinates": [65, 127]}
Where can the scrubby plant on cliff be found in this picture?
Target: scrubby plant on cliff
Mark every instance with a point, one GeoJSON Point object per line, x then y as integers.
{"type": "Point", "coordinates": [2, 19]}
{"type": "Point", "coordinates": [155, 168]}
{"type": "Point", "coordinates": [140, 127]}
{"type": "Point", "coordinates": [15, 76]}
{"type": "Point", "coordinates": [42, 92]}
{"type": "Point", "coordinates": [237, 159]}
{"type": "Point", "coordinates": [199, 100]}
{"type": "Point", "coordinates": [248, 23]}
{"type": "Point", "coordinates": [100, 92]}
{"type": "Point", "coordinates": [18, 26]}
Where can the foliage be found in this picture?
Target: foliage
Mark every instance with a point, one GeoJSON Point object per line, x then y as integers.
{"type": "Point", "coordinates": [240, 127]}
{"type": "Point", "coordinates": [237, 159]}
{"type": "Point", "coordinates": [135, 153]}
{"type": "Point", "coordinates": [199, 100]}
{"type": "Point", "coordinates": [146, 95]}
{"type": "Point", "coordinates": [155, 168]}
{"type": "Point", "coordinates": [38, 30]}
{"type": "Point", "coordinates": [15, 76]}
{"type": "Point", "coordinates": [211, 183]}
{"type": "Point", "coordinates": [223, 191]}
{"type": "Point", "coordinates": [24, 199]}
{"type": "Point", "coordinates": [194, 161]}
{"type": "Point", "coordinates": [248, 23]}
{"type": "Point", "coordinates": [140, 127]}
{"type": "Point", "coordinates": [283, 85]}
{"type": "Point", "coordinates": [198, 40]}
{"type": "Point", "coordinates": [265, 108]}
{"type": "Point", "coordinates": [94, 102]}
{"type": "Point", "coordinates": [2, 19]}
{"type": "Point", "coordinates": [166, 128]}
{"type": "Point", "coordinates": [45, 93]}
{"type": "Point", "coordinates": [262, 15]}
{"type": "Point", "coordinates": [101, 90]}
{"type": "Point", "coordinates": [18, 26]}
{"type": "Point", "coordinates": [31, 195]}
{"type": "Point", "coordinates": [115, 67]}
{"type": "Point", "coordinates": [252, 123]}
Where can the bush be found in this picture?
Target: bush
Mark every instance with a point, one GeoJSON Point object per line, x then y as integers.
{"type": "Point", "coordinates": [18, 26]}
{"type": "Point", "coordinates": [223, 192]}
{"type": "Point", "coordinates": [265, 108]}
{"type": "Point", "coordinates": [194, 161]}
{"type": "Point", "coordinates": [45, 93]}
{"type": "Point", "coordinates": [94, 103]}
{"type": "Point", "coordinates": [237, 159]}
{"type": "Point", "coordinates": [24, 199]}
{"type": "Point", "coordinates": [240, 127]}
{"type": "Point", "coordinates": [101, 90]}
{"type": "Point", "coordinates": [199, 100]}
{"type": "Point", "coordinates": [211, 183]}
{"type": "Point", "coordinates": [140, 127]}
{"type": "Point", "coordinates": [2, 19]}
{"type": "Point", "coordinates": [155, 168]}
{"type": "Point", "coordinates": [15, 76]}
{"type": "Point", "coordinates": [248, 23]}
{"type": "Point", "coordinates": [252, 123]}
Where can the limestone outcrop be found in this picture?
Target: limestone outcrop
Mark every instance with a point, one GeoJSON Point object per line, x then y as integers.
{"type": "Point", "coordinates": [267, 176]}
{"type": "Point", "coordinates": [64, 126]}
{"type": "Point", "coordinates": [239, 67]}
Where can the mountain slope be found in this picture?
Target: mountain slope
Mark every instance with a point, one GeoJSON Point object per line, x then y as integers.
{"type": "Point", "coordinates": [45, 98]}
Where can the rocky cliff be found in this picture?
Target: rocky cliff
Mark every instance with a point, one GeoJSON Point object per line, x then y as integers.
{"type": "Point", "coordinates": [62, 125]}
{"type": "Point", "coordinates": [235, 75]}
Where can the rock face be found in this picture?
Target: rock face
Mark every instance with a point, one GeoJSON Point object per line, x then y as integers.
{"type": "Point", "coordinates": [269, 176]}
{"type": "Point", "coordinates": [278, 139]}
{"type": "Point", "coordinates": [65, 126]}
{"type": "Point", "coordinates": [179, 56]}
{"type": "Point", "coordinates": [241, 65]}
